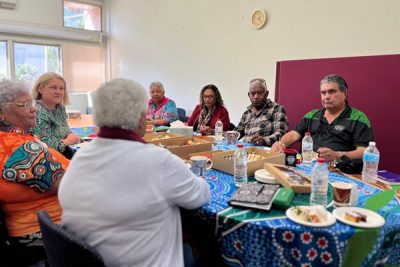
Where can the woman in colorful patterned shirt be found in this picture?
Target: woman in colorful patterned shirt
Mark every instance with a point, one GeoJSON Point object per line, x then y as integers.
{"type": "Point", "coordinates": [51, 95]}
{"type": "Point", "coordinates": [30, 171]}
{"type": "Point", "coordinates": [209, 111]}
{"type": "Point", "coordinates": [161, 110]}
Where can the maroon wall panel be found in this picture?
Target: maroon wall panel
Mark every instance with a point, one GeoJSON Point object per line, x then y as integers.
{"type": "Point", "coordinates": [374, 88]}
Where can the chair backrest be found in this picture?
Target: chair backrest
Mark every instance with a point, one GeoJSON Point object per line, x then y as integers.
{"type": "Point", "coordinates": [63, 248]}
{"type": "Point", "coordinates": [182, 114]}
{"type": "Point", "coordinates": [3, 230]}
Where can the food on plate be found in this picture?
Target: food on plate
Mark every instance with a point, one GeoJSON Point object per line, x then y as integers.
{"type": "Point", "coordinates": [314, 214]}
{"type": "Point", "coordinates": [354, 216]}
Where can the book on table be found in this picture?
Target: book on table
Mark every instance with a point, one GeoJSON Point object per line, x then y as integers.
{"type": "Point", "coordinates": [388, 177]}
{"type": "Point", "coordinates": [256, 196]}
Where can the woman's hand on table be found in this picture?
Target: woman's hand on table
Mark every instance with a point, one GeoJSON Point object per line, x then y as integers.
{"type": "Point", "coordinates": [71, 139]}
{"type": "Point", "coordinates": [206, 130]}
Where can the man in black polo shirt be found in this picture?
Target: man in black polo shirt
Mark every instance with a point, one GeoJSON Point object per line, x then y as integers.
{"type": "Point", "coordinates": [337, 129]}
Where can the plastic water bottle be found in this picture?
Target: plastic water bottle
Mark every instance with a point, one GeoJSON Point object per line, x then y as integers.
{"type": "Point", "coordinates": [307, 148]}
{"type": "Point", "coordinates": [319, 184]}
{"type": "Point", "coordinates": [371, 162]}
{"type": "Point", "coordinates": [219, 128]}
{"type": "Point", "coordinates": [240, 166]}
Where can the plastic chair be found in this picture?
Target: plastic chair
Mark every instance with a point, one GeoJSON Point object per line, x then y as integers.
{"type": "Point", "coordinates": [182, 115]}
{"type": "Point", "coordinates": [63, 248]}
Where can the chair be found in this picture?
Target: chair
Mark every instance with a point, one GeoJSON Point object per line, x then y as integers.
{"type": "Point", "coordinates": [11, 251]}
{"type": "Point", "coordinates": [63, 248]}
{"type": "Point", "coordinates": [182, 115]}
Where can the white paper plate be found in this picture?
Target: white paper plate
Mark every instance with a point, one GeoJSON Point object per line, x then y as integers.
{"type": "Point", "coordinates": [373, 219]}
{"type": "Point", "coordinates": [297, 219]}
{"type": "Point", "coordinates": [265, 177]}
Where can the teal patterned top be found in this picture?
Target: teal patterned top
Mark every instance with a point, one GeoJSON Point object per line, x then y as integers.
{"type": "Point", "coordinates": [51, 125]}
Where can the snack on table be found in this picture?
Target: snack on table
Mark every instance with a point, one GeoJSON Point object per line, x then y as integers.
{"type": "Point", "coordinates": [314, 214]}
{"type": "Point", "coordinates": [190, 143]}
{"type": "Point", "coordinates": [253, 156]}
{"type": "Point", "coordinates": [354, 216]}
{"type": "Point", "coordinates": [161, 136]}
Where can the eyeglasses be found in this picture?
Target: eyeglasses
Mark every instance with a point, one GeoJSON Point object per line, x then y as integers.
{"type": "Point", "coordinates": [27, 105]}
{"type": "Point", "coordinates": [258, 80]}
{"type": "Point", "coordinates": [208, 96]}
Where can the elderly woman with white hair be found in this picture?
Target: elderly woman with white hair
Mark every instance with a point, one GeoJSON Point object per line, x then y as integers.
{"type": "Point", "coordinates": [127, 205]}
{"type": "Point", "coordinates": [30, 171]}
{"type": "Point", "coordinates": [160, 110]}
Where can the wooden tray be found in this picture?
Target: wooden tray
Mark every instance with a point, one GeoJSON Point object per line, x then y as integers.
{"type": "Point", "coordinates": [287, 176]}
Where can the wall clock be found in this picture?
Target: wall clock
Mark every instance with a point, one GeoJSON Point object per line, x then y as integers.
{"type": "Point", "coordinates": [258, 19]}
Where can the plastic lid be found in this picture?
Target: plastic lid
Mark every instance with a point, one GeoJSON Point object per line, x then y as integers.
{"type": "Point", "coordinates": [372, 143]}
{"type": "Point", "coordinates": [321, 160]}
{"type": "Point", "coordinates": [240, 145]}
{"type": "Point", "coordinates": [308, 133]}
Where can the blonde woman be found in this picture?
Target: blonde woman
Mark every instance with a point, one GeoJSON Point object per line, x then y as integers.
{"type": "Point", "coordinates": [51, 95]}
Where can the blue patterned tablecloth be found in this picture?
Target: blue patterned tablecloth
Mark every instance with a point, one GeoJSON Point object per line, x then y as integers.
{"type": "Point", "coordinates": [252, 238]}
{"type": "Point", "coordinates": [84, 131]}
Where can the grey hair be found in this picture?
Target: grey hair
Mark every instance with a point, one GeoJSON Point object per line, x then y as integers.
{"type": "Point", "coordinates": [260, 82]}
{"type": "Point", "coordinates": [159, 84]}
{"type": "Point", "coordinates": [333, 78]}
{"type": "Point", "coordinates": [10, 90]}
{"type": "Point", "coordinates": [119, 103]}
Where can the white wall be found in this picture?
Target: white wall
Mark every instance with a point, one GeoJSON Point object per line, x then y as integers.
{"type": "Point", "coordinates": [188, 44]}
{"type": "Point", "coordinates": [37, 12]}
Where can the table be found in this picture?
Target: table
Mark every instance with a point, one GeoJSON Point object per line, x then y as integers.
{"type": "Point", "coordinates": [252, 238]}
{"type": "Point", "coordinates": [82, 126]}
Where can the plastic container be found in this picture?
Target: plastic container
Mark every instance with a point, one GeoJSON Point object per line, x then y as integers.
{"type": "Point", "coordinates": [370, 163]}
{"type": "Point", "coordinates": [319, 184]}
{"type": "Point", "coordinates": [219, 129]}
{"type": "Point", "coordinates": [240, 166]}
{"type": "Point", "coordinates": [307, 148]}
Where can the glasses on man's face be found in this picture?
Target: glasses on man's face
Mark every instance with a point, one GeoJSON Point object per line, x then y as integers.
{"type": "Point", "coordinates": [259, 80]}
{"type": "Point", "coordinates": [27, 105]}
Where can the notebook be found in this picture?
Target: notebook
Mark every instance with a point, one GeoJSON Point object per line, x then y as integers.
{"type": "Point", "coordinates": [257, 196]}
{"type": "Point", "coordinates": [389, 178]}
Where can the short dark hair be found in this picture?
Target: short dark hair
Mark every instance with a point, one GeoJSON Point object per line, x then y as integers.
{"type": "Point", "coordinates": [218, 97]}
{"type": "Point", "coordinates": [333, 78]}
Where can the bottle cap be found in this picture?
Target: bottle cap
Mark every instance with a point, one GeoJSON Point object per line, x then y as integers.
{"type": "Point", "coordinates": [372, 143]}
{"type": "Point", "coordinates": [240, 145]}
{"type": "Point", "coordinates": [307, 133]}
{"type": "Point", "coordinates": [321, 160]}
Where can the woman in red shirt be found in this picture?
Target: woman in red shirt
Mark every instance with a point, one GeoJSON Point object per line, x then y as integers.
{"type": "Point", "coordinates": [209, 111]}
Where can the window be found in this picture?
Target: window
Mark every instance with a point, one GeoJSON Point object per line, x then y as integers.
{"type": "Point", "coordinates": [83, 67]}
{"type": "Point", "coordinates": [3, 60]}
{"type": "Point", "coordinates": [82, 16]}
{"type": "Point", "coordinates": [32, 60]}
